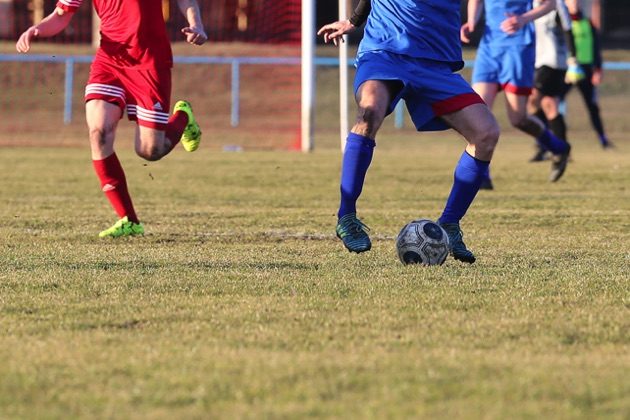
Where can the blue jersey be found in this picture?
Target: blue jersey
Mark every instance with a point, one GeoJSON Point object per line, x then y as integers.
{"type": "Point", "coordinates": [496, 12]}
{"type": "Point", "coordinates": [427, 29]}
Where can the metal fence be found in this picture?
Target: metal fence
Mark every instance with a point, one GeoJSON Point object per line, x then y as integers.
{"type": "Point", "coordinates": [235, 78]}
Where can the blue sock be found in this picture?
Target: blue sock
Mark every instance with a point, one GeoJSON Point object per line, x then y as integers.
{"type": "Point", "coordinates": [549, 141]}
{"type": "Point", "coordinates": [469, 173]}
{"type": "Point", "coordinates": [356, 160]}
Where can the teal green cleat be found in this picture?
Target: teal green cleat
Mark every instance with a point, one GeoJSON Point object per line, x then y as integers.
{"type": "Point", "coordinates": [456, 243]}
{"type": "Point", "coordinates": [353, 233]}
{"type": "Point", "coordinates": [192, 133]}
{"type": "Point", "coordinates": [123, 227]}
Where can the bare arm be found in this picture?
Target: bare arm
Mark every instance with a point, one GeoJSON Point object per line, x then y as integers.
{"type": "Point", "coordinates": [335, 31]}
{"type": "Point", "coordinates": [51, 25]}
{"type": "Point", "coordinates": [475, 8]}
{"type": "Point", "coordinates": [195, 34]}
{"type": "Point", "coordinates": [514, 23]}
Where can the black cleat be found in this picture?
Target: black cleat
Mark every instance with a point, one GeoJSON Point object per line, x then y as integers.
{"type": "Point", "coordinates": [486, 184]}
{"type": "Point", "coordinates": [559, 165]}
{"type": "Point", "coordinates": [456, 243]}
{"type": "Point", "coordinates": [541, 155]}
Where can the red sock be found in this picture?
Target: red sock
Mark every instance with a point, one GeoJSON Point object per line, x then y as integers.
{"type": "Point", "coordinates": [114, 185]}
{"type": "Point", "coordinates": [175, 127]}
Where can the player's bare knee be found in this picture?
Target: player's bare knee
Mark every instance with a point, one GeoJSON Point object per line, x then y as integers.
{"type": "Point", "coordinates": [369, 119]}
{"type": "Point", "coordinates": [486, 139]}
{"type": "Point", "coordinates": [99, 135]}
{"type": "Point", "coordinates": [150, 153]}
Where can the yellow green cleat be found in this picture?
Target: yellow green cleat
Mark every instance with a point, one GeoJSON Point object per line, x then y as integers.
{"type": "Point", "coordinates": [192, 133]}
{"type": "Point", "coordinates": [123, 227]}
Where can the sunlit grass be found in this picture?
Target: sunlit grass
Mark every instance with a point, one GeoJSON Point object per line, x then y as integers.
{"type": "Point", "coordinates": [240, 302]}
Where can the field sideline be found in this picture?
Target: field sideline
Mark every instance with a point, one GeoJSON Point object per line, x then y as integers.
{"type": "Point", "coordinates": [240, 302]}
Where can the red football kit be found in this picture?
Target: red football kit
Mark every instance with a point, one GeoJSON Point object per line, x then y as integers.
{"type": "Point", "coordinates": [132, 67]}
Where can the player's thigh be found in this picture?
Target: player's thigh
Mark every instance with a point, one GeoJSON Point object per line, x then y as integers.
{"type": "Point", "coordinates": [476, 124]}
{"type": "Point", "coordinates": [588, 91]}
{"type": "Point", "coordinates": [102, 119]}
{"type": "Point", "coordinates": [534, 101]}
{"type": "Point", "coordinates": [549, 106]}
{"type": "Point", "coordinates": [102, 115]}
{"type": "Point", "coordinates": [378, 82]}
{"type": "Point", "coordinates": [375, 96]}
{"type": "Point", "coordinates": [148, 138]}
{"type": "Point", "coordinates": [487, 91]}
{"type": "Point", "coordinates": [516, 106]}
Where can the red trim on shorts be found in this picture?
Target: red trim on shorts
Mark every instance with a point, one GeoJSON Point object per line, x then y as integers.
{"type": "Point", "coordinates": [455, 103]}
{"type": "Point", "coordinates": [517, 90]}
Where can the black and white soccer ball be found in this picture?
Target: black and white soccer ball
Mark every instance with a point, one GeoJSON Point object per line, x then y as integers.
{"type": "Point", "coordinates": [422, 242]}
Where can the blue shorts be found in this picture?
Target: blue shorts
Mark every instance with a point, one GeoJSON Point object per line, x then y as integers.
{"type": "Point", "coordinates": [511, 67]}
{"type": "Point", "coordinates": [430, 88]}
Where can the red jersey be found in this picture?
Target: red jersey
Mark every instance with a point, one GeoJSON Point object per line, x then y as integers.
{"type": "Point", "coordinates": [133, 33]}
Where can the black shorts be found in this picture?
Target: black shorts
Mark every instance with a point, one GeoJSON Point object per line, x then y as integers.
{"type": "Point", "coordinates": [549, 81]}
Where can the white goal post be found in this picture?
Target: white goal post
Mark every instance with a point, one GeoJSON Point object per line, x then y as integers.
{"type": "Point", "coordinates": [308, 76]}
{"type": "Point", "coordinates": [343, 79]}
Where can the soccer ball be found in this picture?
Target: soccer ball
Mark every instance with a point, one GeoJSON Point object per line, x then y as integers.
{"type": "Point", "coordinates": [422, 242]}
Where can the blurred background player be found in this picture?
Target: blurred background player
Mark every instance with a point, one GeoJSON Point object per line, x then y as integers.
{"type": "Point", "coordinates": [410, 50]}
{"type": "Point", "coordinates": [589, 57]}
{"type": "Point", "coordinates": [505, 60]}
{"type": "Point", "coordinates": [555, 62]}
{"type": "Point", "coordinates": [132, 70]}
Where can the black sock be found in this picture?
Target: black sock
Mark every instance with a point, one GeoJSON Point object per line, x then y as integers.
{"type": "Point", "coordinates": [542, 117]}
{"type": "Point", "coordinates": [558, 127]}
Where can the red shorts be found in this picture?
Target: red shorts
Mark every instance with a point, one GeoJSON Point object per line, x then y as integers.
{"type": "Point", "coordinates": [146, 93]}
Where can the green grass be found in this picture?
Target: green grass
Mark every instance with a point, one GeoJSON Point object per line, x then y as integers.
{"type": "Point", "coordinates": [240, 302]}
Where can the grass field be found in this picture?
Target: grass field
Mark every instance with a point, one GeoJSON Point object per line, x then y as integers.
{"type": "Point", "coordinates": [239, 302]}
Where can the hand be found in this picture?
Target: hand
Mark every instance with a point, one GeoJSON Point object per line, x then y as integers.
{"type": "Point", "coordinates": [597, 77]}
{"type": "Point", "coordinates": [464, 32]}
{"type": "Point", "coordinates": [23, 44]}
{"type": "Point", "coordinates": [194, 35]}
{"type": "Point", "coordinates": [335, 31]}
{"type": "Point", "coordinates": [512, 24]}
